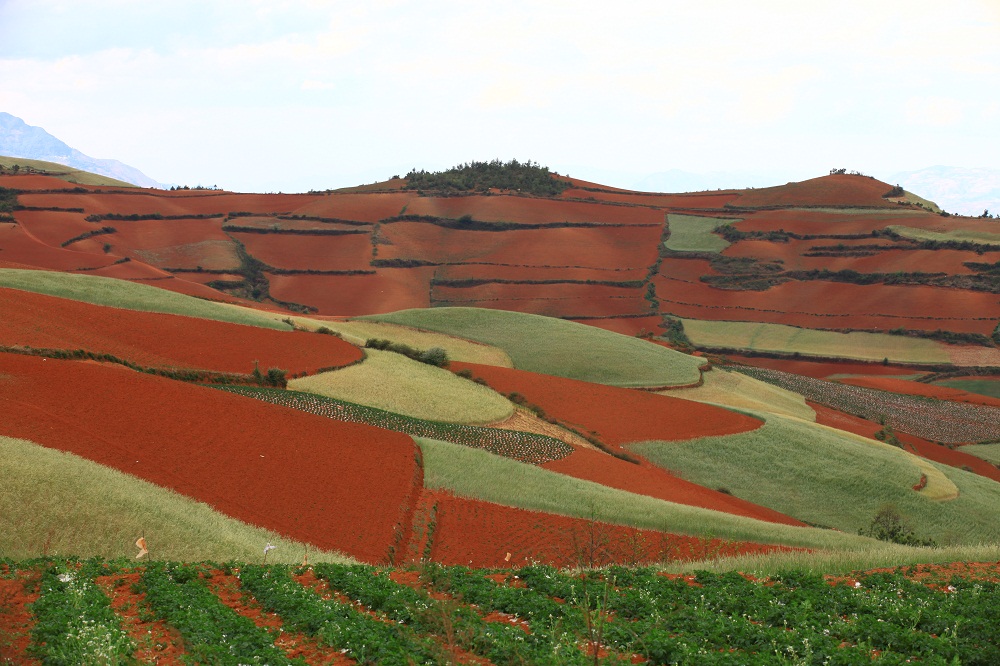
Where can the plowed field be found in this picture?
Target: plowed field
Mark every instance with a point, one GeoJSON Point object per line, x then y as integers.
{"type": "Point", "coordinates": [359, 207]}
{"type": "Point", "coordinates": [54, 228]}
{"type": "Point", "coordinates": [475, 271]}
{"type": "Point", "coordinates": [162, 340]}
{"type": "Point", "coordinates": [298, 252]}
{"type": "Point", "coordinates": [918, 388]}
{"type": "Point", "coordinates": [336, 485]}
{"type": "Point", "coordinates": [685, 201]}
{"type": "Point", "coordinates": [530, 210]}
{"type": "Point", "coordinates": [349, 295]}
{"type": "Point", "coordinates": [20, 247]}
{"type": "Point", "coordinates": [564, 308]}
{"type": "Point", "coordinates": [834, 190]}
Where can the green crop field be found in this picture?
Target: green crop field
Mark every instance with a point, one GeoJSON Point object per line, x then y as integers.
{"type": "Point", "coordinates": [693, 233]}
{"type": "Point", "coordinates": [399, 384]}
{"type": "Point", "coordinates": [987, 387]}
{"type": "Point", "coordinates": [755, 336]}
{"type": "Point", "coordinates": [62, 172]}
{"type": "Point", "coordinates": [988, 452]}
{"type": "Point", "coordinates": [957, 235]}
{"type": "Point", "coordinates": [459, 349]}
{"type": "Point", "coordinates": [480, 475]}
{"type": "Point", "coordinates": [740, 391]}
{"type": "Point", "coordinates": [558, 347]}
{"type": "Point", "coordinates": [835, 479]}
{"type": "Point", "coordinates": [87, 509]}
{"type": "Point", "coordinates": [131, 296]}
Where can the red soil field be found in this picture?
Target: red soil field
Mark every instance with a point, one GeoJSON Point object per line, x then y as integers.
{"type": "Point", "coordinates": [54, 228]}
{"type": "Point", "coordinates": [20, 247]}
{"type": "Point", "coordinates": [589, 247]}
{"type": "Point", "coordinates": [361, 207]}
{"type": "Point", "coordinates": [36, 182]}
{"type": "Point", "coordinates": [205, 278]}
{"type": "Point", "coordinates": [566, 308]}
{"type": "Point", "coordinates": [480, 534]}
{"type": "Point", "coordinates": [131, 270]}
{"type": "Point", "coordinates": [826, 222]}
{"type": "Point", "coordinates": [504, 272]}
{"type": "Point", "coordinates": [324, 253]}
{"type": "Point", "coordinates": [571, 290]}
{"type": "Point", "coordinates": [918, 388]}
{"type": "Point", "coordinates": [685, 201]}
{"type": "Point", "coordinates": [333, 484]}
{"type": "Point", "coordinates": [936, 452]}
{"type": "Point", "coordinates": [531, 210]}
{"type": "Point", "coordinates": [387, 290]}
{"type": "Point", "coordinates": [148, 202]}
{"type": "Point", "coordinates": [616, 415]}
{"type": "Point", "coordinates": [834, 305]}
{"type": "Point", "coordinates": [162, 340]}
{"type": "Point", "coordinates": [834, 190]}
{"type": "Point", "coordinates": [820, 369]}
{"type": "Point", "coordinates": [271, 223]}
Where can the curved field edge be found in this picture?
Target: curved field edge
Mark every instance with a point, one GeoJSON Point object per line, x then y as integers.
{"type": "Point", "coordinates": [694, 233]}
{"type": "Point", "coordinates": [131, 296]}
{"type": "Point", "coordinates": [559, 347]}
{"type": "Point", "coordinates": [395, 383]}
{"type": "Point", "coordinates": [827, 477]}
{"type": "Point", "coordinates": [725, 388]}
{"type": "Point", "coordinates": [87, 509]}
{"type": "Point", "coordinates": [782, 339]}
{"type": "Point", "coordinates": [480, 475]}
{"type": "Point", "coordinates": [63, 172]}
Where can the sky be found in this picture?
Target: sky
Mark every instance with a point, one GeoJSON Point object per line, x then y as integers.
{"type": "Point", "coordinates": [268, 95]}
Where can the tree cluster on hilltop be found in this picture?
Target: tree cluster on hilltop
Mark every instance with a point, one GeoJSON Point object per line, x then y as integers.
{"type": "Point", "coordinates": [527, 177]}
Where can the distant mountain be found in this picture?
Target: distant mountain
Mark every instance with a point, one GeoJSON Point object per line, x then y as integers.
{"type": "Point", "coordinates": [955, 189]}
{"type": "Point", "coordinates": [19, 139]}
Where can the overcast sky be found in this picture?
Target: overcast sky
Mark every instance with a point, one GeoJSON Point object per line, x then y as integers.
{"type": "Point", "coordinates": [289, 96]}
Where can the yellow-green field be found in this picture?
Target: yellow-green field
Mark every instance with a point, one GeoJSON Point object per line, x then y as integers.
{"type": "Point", "coordinates": [357, 331]}
{"type": "Point", "coordinates": [693, 233]}
{"type": "Point", "coordinates": [477, 474]}
{"type": "Point", "coordinates": [739, 391]}
{"type": "Point", "coordinates": [988, 452]}
{"type": "Point", "coordinates": [399, 384]}
{"type": "Point", "coordinates": [56, 503]}
{"type": "Point", "coordinates": [61, 171]}
{"type": "Point", "coordinates": [132, 296]}
{"type": "Point", "coordinates": [828, 477]}
{"type": "Point", "coordinates": [755, 336]}
{"type": "Point", "coordinates": [957, 235]}
{"type": "Point", "coordinates": [559, 347]}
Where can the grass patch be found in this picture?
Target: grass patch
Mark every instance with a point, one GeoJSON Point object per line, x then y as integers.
{"type": "Point", "coordinates": [779, 338]}
{"type": "Point", "coordinates": [558, 347]}
{"type": "Point", "coordinates": [131, 296]}
{"type": "Point", "coordinates": [399, 384]}
{"type": "Point", "coordinates": [987, 387]}
{"type": "Point", "coordinates": [473, 473]}
{"type": "Point", "coordinates": [988, 452]}
{"type": "Point", "coordinates": [946, 236]}
{"type": "Point", "coordinates": [61, 171]}
{"type": "Point", "coordinates": [828, 477]}
{"type": "Point", "coordinates": [357, 332]}
{"type": "Point", "coordinates": [840, 562]}
{"type": "Point", "coordinates": [732, 389]}
{"type": "Point", "coordinates": [88, 509]}
{"type": "Point", "coordinates": [694, 233]}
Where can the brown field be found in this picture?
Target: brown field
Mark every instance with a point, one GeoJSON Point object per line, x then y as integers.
{"type": "Point", "coordinates": [388, 290]}
{"type": "Point", "coordinates": [835, 190]}
{"type": "Point", "coordinates": [530, 210]}
{"type": "Point", "coordinates": [537, 273]}
{"type": "Point", "coordinates": [359, 207]}
{"type": "Point", "coordinates": [323, 253]}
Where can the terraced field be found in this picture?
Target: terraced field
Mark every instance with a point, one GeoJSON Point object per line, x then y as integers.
{"type": "Point", "coordinates": [692, 233]}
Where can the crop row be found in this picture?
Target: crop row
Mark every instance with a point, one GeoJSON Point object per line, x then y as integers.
{"type": "Point", "coordinates": [523, 446]}
{"type": "Point", "coordinates": [936, 420]}
{"type": "Point", "coordinates": [631, 614]}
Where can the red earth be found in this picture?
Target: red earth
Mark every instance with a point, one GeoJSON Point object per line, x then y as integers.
{"type": "Point", "coordinates": [480, 534]}
{"type": "Point", "coordinates": [676, 201]}
{"type": "Point", "coordinates": [532, 210]}
{"type": "Point", "coordinates": [359, 207]}
{"type": "Point", "coordinates": [564, 308]}
{"type": "Point", "coordinates": [337, 485]}
{"type": "Point", "coordinates": [814, 222]}
{"type": "Point", "coordinates": [484, 271]}
{"type": "Point", "coordinates": [18, 246]}
{"type": "Point", "coordinates": [922, 447]}
{"type": "Point", "coordinates": [163, 340]}
{"type": "Point", "coordinates": [387, 290]}
{"type": "Point", "coordinates": [351, 252]}
{"type": "Point", "coordinates": [833, 190]}
{"type": "Point", "coordinates": [54, 228]}
{"type": "Point", "coordinates": [921, 389]}
{"type": "Point", "coordinates": [820, 369]}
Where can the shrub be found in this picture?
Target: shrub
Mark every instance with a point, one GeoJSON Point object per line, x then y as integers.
{"type": "Point", "coordinates": [889, 525]}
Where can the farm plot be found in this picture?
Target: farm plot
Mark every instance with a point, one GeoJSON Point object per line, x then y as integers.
{"type": "Point", "coordinates": [474, 272]}
{"type": "Point", "coordinates": [650, 199]}
{"type": "Point", "coordinates": [614, 415]}
{"type": "Point", "coordinates": [131, 296]}
{"type": "Point", "coordinates": [370, 207]}
{"type": "Point", "coordinates": [270, 224]}
{"type": "Point", "coordinates": [535, 614]}
{"type": "Point", "coordinates": [257, 463]}
{"type": "Point", "coordinates": [825, 369]}
{"type": "Point", "coordinates": [163, 340]}
{"type": "Point", "coordinates": [531, 210]}
{"type": "Point", "coordinates": [935, 420]}
{"type": "Point", "coordinates": [987, 386]}
{"type": "Point", "coordinates": [899, 385]}
{"type": "Point", "coordinates": [185, 244]}
{"type": "Point", "coordinates": [840, 222]}
{"type": "Point", "coordinates": [988, 452]}
{"type": "Point", "coordinates": [577, 301]}
{"type": "Point", "coordinates": [393, 382]}
{"type": "Point", "coordinates": [385, 290]}
{"type": "Point", "coordinates": [827, 477]}
{"type": "Point", "coordinates": [575, 247]}
{"type": "Point", "coordinates": [20, 247]}
{"type": "Point", "coordinates": [93, 510]}
{"type": "Point", "coordinates": [525, 447]}
{"type": "Point", "coordinates": [54, 227]}
{"type": "Point", "coordinates": [560, 348]}
{"type": "Point", "coordinates": [158, 202]}
{"type": "Point", "coordinates": [740, 391]}
{"type": "Point", "coordinates": [692, 233]}
{"type": "Point", "coordinates": [833, 190]}
{"type": "Point", "coordinates": [350, 252]}
{"type": "Point", "coordinates": [790, 340]}
{"type": "Point", "coordinates": [983, 236]}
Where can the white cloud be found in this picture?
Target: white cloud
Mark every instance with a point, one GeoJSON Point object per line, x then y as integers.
{"type": "Point", "coordinates": [933, 111]}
